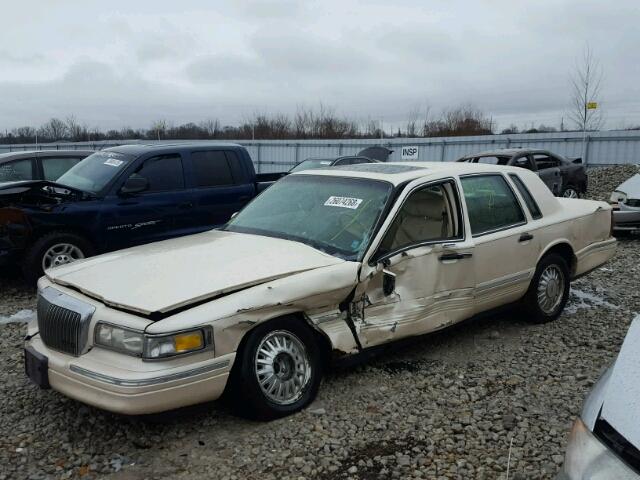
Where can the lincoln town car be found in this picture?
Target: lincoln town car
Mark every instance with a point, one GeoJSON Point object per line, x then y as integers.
{"type": "Point", "coordinates": [323, 265]}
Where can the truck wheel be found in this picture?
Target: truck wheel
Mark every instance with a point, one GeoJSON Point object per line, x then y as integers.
{"type": "Point", "coordinates": [549, 289]}
{"type": "Point", "coordinates": [52, 250]}
{"type": "Point", "coordinates": [278, 370]}
{"type": "Point", "coordinates": [570, 192]}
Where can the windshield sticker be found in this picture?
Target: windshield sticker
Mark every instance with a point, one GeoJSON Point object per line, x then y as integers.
{"type": "Point", "coordinates": [113, 162]}
{"type": "Point", "coordinates": [344, 202]}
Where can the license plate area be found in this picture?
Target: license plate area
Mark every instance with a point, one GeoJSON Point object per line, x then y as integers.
{"type": "Point", "coordinates": [36, 366]}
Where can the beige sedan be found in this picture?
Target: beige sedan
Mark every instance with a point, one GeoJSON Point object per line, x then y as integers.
{"type": "Point", "coordinates": [323, 265]}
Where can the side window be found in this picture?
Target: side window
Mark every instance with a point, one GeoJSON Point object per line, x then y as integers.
{"type": "Point", "coordinates": [16, 170]}
{"type": "Point", "coordinates": [491, 203]}
{"type": "Point", "coordinates": [344, 161]}
{"type": "Point", "coordinates": [164, 173]}
{"type": "Point", "coordinates": [211, 169]}
{"type": "Point", "coordinates": [523, 162]}
{"type": "Point", "coordinates": [545, 161]}
{"type": "Point", "coordinates": [428, 214]}
{"type": "Point", "coordinates": [54, 168]}
{"type": "Point", "coordinates": [528, 198]}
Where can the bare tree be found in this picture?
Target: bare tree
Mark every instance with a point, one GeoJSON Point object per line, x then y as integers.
{"type": "Point", "coordinates": [55, 129]}
{"type": "Point", "coordinates": [159, 128]}
{"type": "Point", "coordinates": [585, 88]}
{"type": "Point", "coordinates": [412, 122]}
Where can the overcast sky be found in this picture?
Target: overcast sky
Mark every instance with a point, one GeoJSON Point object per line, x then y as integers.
{"type": "Point", "coordinates": [118, 63]}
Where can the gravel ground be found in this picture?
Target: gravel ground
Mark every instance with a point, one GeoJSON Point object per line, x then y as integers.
{"type": "Point", "coordinates": [454, 405]}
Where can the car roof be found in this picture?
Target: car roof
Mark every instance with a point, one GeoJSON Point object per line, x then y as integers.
{"type": "Point", "coordinates": [505, 152]}
{"type": "Point", "coordinates": [160, 148]}
{"type": "Point", "coordinates": [401, 172]}
{"type": "Point", "coordinates": [6, 157]}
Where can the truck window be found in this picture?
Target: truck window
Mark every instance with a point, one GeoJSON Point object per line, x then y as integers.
{"type": "Point", "coordinates": [55, 167]}
{"type": "Point", "coordinates": [428, 215]}
{"type": "Point", "coordinates": [164, 173]}
{"type": "Point", "coordinates": [491, 203]}
{"type": "Point", "coordinates": [211, 169]}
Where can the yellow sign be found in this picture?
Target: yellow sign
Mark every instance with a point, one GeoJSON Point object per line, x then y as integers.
{"type": "Point", "coordinates": [592, 105]}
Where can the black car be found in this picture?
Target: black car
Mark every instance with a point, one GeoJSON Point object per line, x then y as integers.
{"type": "Point", "coordinates": [564, 177]}
{"type": "Point", "coordinates": [39, 164]}
{"type": "Point", "coordinates": [368, 155]}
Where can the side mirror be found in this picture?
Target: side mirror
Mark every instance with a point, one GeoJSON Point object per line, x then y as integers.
{"type": "Point", "coordinates": [577, 161]}
{"type": "Point", "coordinates": [134, 184]}
{"type": "Point", "coordinates": [388, 282]}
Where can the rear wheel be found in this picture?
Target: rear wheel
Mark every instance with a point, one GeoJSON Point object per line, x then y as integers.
{"type": "Point", "coordinates": [53, 250]}
{"type": "Point", "coordinates": [549, 289]}
{"type": "Point", "coordinates": [278, 370]}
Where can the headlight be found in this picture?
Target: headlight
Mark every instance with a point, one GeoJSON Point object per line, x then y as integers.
{"type": "Point", "coordinates": [118, 338]}
{"type": "Point", "coordinates": [618, 197]}
{"type": "Point", "coordinates": [137, 343]}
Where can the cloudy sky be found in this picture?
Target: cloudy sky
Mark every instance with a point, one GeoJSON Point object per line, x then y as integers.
{"type": "Point", "coordinates": [120, 63]}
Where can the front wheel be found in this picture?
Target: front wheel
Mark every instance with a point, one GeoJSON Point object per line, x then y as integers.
{"type": "Point", "coordinates": [549, 289]}
{"type": "Point", "coordinates": [278, 370]}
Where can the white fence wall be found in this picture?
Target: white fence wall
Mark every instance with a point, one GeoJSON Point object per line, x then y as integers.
{"type": "Point", "coordinates": [601, 148]}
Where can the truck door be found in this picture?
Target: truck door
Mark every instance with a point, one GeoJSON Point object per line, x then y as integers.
{"type": "Point", "coordinates": [220, 186]}
{"type": "Point", "coordinates": [153, 214]}
{"type": "Point", "coordinates": [549, 171]}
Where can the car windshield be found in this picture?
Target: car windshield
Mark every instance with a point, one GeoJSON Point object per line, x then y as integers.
{"type": "Point", "coordinates": [334, 214]}
{"type": "Point", "coordinates": [95, 172]}
{"type": "Point", "coordinates": [312, 163]}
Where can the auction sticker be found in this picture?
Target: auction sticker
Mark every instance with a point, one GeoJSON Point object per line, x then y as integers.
{"type": "Point", "coordinates": [344, 202]}
{"type": "Point", "coordinates": [113, 162]}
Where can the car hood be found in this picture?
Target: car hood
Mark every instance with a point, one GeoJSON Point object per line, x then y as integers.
{"type": "Point", "coordinates": [164, 276]}
{"type": "Point", "coordinates": [631, 187]}
{"type": "Point", "coordinates": [621, 399]}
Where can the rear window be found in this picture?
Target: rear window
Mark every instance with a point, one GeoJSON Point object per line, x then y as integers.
{"type": "Point", "coordinates": [526, 195]}
{"type": "Point", "coordinates": [491, 203]}
{"type": "Point", "coordinates": [211, 169]}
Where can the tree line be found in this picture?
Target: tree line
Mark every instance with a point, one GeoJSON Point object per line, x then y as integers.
{"type": "Point", "coordinates": [305, 123]}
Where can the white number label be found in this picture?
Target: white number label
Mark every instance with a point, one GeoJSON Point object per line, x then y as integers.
{"type": "Point", "coordinates": [344, 202]}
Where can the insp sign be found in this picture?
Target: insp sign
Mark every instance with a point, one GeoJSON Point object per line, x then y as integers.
{"type": "Point", "coordinates": [409, 153]}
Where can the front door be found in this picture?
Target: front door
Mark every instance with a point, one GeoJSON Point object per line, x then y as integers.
{"type": "Point", "coordinates": [154, 214]}
{"type": "Point", "coordinates": [421, 277]}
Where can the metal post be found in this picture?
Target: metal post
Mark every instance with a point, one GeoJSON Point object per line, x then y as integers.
{"type": "Point", "coordinates": [442, 151]}
{"type": "Point", "coordinates": [258, 155]}
{"type": "Point", "coordinates": [297, 160]}
{"type": "Point", "coordinates": [585, 158]}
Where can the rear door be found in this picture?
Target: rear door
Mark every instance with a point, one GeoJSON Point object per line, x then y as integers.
{"type": "Point", "coordinates": [505, 251]}
{"type": "Point", "coordinates": [155, 214]}
{"type": "Point", "coordinates": [549, 171]}
{"type": "Point", "coordinates": [220, 187]}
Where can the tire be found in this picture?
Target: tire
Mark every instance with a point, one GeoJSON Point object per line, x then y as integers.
{"type": "Point", "coordinates": [247, 393]}
{"type": "Point", "coordinates": [542, 304]}
{"type": "Point", "coordinates": [570, 192]}
{"type": "Point", "coordinates": [77, 247]}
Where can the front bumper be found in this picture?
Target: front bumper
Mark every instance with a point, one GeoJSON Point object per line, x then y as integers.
{"type": "Point", "coordinates": [128, 385]}
{"type": "Point", "coordinates": [589, 459]}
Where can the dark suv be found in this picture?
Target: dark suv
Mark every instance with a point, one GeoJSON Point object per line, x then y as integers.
{"type": "Point", "coordinates": [564, 177]}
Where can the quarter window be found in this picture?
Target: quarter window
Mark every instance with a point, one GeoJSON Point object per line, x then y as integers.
{"type": "Point", "coordinates": [211, 169]}
{"type": "Point", "coordinates": [54, 168]}
{"type": "Point", "coordinates": [164, 173]}
{"type": "Point", "coordinates": [491, 203]}
{"type": "Point", "coordinates": [526, 195]}
{"type": "Point", "coordinates": [429, 214]}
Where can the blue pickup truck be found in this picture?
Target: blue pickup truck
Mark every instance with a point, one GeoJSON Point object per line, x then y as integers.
{"type": "Point", "coordinates": [124, 196]}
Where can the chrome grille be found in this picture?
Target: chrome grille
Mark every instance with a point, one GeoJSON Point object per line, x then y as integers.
{"type": "Point", "coordinates": [63, 321]}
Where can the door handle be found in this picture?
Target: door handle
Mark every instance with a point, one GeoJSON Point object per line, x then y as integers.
{"type": "Point", "coordinates": [525, 237]}
{"type": "Point", "coordinates": [185, 205]}
{"type": "Point", "coordinates": [454, 256]}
